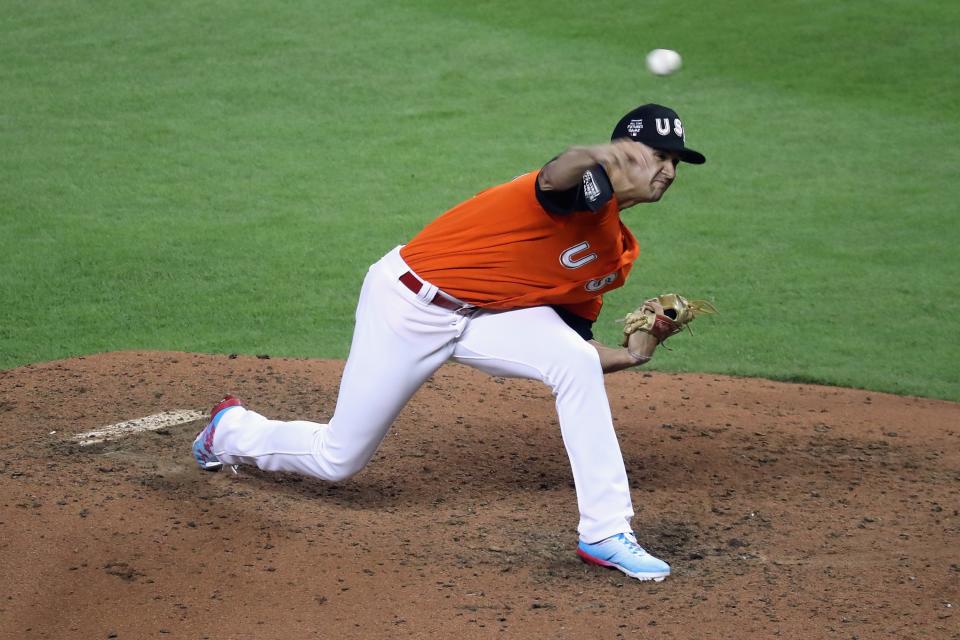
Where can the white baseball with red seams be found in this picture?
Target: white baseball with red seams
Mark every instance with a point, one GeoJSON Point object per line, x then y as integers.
{"type": "Point", "coordinates": [663, 62]}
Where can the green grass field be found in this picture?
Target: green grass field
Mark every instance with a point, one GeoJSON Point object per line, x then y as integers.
{"type": "Point", "coordinates": [217, 176]}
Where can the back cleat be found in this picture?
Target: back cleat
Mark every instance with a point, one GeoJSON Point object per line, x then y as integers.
{"type": "Point", "coordinates": [203, 443]}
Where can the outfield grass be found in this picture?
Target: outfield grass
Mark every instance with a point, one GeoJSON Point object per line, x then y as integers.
{"type": "Point", "coordinates": [218, 176]}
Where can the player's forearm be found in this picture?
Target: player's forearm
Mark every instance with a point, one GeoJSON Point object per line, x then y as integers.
{"type": "Point", "coordinates": [639, 352]}
{"type": "Point", "coordinates": [566, 170]}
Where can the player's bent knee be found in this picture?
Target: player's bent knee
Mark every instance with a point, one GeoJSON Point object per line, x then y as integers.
{"type": "Point", "coordinates": [340, 473]}
{"type": "Point", "coordinates": [584, 360]}
{"type": "Point", "coordinates": [341, 476]}
{"type": "Point", "coordinates": [576, 367]}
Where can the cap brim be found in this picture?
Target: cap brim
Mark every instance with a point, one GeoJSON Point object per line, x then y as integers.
{"type": "Point", "coordinates": [685, 154]}
{"type": "Point", "coordinates": [691, 156]}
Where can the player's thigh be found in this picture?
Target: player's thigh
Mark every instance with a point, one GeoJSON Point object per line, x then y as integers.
{"type": "Point", "coordinates": [398, 342]}
{"type": "Point", "coordinates": [526, 343]}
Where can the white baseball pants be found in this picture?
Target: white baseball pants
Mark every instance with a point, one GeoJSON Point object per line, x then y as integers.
{"type": "Point", "coordinates": [399, 341]}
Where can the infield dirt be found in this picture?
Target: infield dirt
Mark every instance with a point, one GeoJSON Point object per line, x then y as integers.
{"type": "Point", "coordinates": [786, 511]}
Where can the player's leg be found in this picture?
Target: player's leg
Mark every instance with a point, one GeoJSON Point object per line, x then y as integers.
{"type": "Point", "coordinates": [398, 342]}
{"type": "Point", "coordinates": [535, 343]}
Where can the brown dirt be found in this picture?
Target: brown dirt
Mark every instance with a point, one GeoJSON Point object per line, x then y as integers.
{"type": "Point", "coordinates": [787, 511]}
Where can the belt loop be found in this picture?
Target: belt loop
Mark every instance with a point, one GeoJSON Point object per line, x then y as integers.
{"type": "Point", "coordinates": [427, 292]}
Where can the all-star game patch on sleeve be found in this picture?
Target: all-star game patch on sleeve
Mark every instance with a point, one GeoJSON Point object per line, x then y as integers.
{"type": "Point", "coordinates": [591, 194]}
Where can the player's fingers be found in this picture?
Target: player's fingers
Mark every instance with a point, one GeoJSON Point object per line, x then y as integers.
{"type": "Point", "coordinates": [642, 155]}
{"type": "Point", "coordinates": [617, 156]}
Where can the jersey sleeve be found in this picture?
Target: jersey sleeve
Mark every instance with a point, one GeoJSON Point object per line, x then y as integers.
{"type": "Point", "coordinates": [591, 194]}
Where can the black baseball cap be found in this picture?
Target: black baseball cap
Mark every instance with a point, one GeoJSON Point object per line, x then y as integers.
{"type": "Point", "coordinates": [659, 127]}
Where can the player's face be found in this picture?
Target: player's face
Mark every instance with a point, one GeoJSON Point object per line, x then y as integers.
{"type": "Point", "coordinates": [644, 174]}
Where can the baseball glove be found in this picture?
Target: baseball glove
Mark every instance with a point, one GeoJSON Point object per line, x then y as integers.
{"type": "Point", "coordinates": [664, 316]}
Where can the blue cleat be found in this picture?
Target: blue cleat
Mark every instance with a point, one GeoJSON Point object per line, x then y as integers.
{"type": "Point", "coordinates": [623, 553]}
{"type": "Point", "coordinates": [203, 443]}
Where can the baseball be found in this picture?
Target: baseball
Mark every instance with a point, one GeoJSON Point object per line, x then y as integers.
{"type": "Point", "coordinates": [663, 62]}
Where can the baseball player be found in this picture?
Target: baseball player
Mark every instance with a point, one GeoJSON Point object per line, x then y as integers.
{"type": "Point", "coordinates": [509, 281]}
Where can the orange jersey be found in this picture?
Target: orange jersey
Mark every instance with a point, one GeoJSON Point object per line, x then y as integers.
{"type": "Point", "coordinates": [502, 250]}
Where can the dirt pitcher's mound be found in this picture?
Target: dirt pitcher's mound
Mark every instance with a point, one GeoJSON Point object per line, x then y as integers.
{"type": "Point", "coordinates": [788, 511]}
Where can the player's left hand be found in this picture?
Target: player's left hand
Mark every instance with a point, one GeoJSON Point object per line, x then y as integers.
{"type": "Point", "coordinates": [664, 316]}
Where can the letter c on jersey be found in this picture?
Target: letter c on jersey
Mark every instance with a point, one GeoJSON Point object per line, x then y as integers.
{"type": "Point", "coordinates": [570, 261]}
{"type": "Point", "coordinates": [596, 285]}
